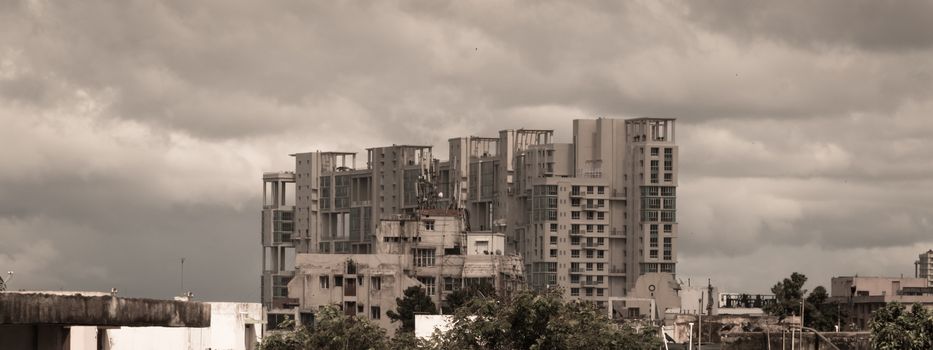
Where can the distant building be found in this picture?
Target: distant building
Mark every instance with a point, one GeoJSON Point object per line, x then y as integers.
{"type": "Point", "coordinates": [709, 301]}
{"type": "Point", "coordinates": [596, 217]}
{"type": "Point", "coordinates": [924, 267]}
{"type": "Point", "coordinates": [430, 250]}
{"type": "Point", "coordinates": [863, 295]}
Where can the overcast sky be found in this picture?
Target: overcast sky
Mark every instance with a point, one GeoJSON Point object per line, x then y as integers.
{"type": "Point", "coordinates": [134, 133]}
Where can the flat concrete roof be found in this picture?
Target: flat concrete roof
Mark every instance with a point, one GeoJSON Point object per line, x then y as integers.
{"type": "Point", "coordinates": [35, 308]}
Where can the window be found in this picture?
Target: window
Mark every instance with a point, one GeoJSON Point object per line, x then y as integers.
{"type": "Point", "coordinates": [575, 253]}
{"type": "Point", "coordinates": [668, 177]}
{"type": "Point", "coordinates": [599, 267]}
{"type": "Point", "coordinates": [668, 216]}
{"type": "Point", "coordinates": [429, 225]}
{"type": "Point", "coordinates": [451, 284]}
{"type": "Point", "coordinates": [553, 239]}
{"type": "Point", "coordinates": [575, 215]}
{"type": "Point", "coordinates": [589, 292]}
{"type": "Point", "coordinates": [574, 240]}
{"type": "Point", "coordinates": [601, 189]}
{"type": "Point", "coordinates": [325, 282]}
{"type": "Point", "coordinates": [553, 252]}
{"type": "Point", "coordinates": [668, 228]}
{"type": "Point", "coordinates": [375, 312]}
{"type": "Point", "coordinates": [338, 281]}
{"type": "Point", "coordinates": [574, 292]}
{"type": "Point", "coordinates": [668, 247]}
{"type": "Point", "coordinates": [600, 228]}
{"type": "Point", "coordinates": [553, 227]}
{"type": "Point", "coordinates": [655, 151]}
{"type": "Point", "coordinates": [653, 254]}
{"type": "Point", "coordinates": [574, 278]}
{"type": "Point", "coordinates": [589, 189]}
{"type": "Point", "coordinates": [574, 228]}
{"type": "Point", "coordinates": [599, 292]}
{"type": "Point", "coordinates": [589, 266]}
{"type": "Point", "coordinates": [429, 286]}
{"type": "Point", "coordinates": [600, 254]}
{"type": "Point", "coordinates": [600, 216]}
{"type": "Point", "coordinates": [423, 257]}
{"type": "Point", "coordinates": [375, 282]}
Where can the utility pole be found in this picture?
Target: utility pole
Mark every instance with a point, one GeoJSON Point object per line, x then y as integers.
{"type": "Point", "coordinates": [700, 324]}
{"type": "Point", "coordinates": [801, 320]}
{"type": "Point", "coordinates": [182, 275]}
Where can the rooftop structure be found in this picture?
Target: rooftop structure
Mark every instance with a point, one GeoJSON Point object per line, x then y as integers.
{"type": "Point", "coordinates": [924, 267]}
{"type": "Point", "coordinates": [44, 320]}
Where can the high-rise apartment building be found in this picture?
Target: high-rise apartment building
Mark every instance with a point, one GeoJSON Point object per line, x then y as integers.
{"type": "Point", "coordinates": [924, 267]}
{"type": "Point", "coordinates": [596, 216]}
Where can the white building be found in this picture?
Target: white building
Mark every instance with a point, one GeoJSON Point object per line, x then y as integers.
{"type": "Point", "coordinates": [234, 326]}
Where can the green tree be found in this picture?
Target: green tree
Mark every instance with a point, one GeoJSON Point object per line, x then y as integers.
{"type": "Point", "coordinates": [461, 297]}
{"type": "Point", "coordinates": [332, 330]}
{"type": "Point", "coordinates": [821, 314]}
{"type": "Point", "coordinates": [415, 300]}
{"type": "Point", "coordinates": [818, 312]}
{"type": "Point", "coordinates": [893, 327]}
{"type": "Point", "coordinates": [539, 321]}
{"type": "Point", "coordinates": [787, 294]}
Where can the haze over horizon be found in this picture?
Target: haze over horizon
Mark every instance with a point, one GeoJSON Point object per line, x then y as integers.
{"type": "Point", "coordinates": [136, 133]}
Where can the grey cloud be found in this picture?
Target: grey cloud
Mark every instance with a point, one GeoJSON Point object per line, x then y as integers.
{"type": "Point", "coordinates": [135, 133]}
{"type": "Point", "coordinates": [823, 25]}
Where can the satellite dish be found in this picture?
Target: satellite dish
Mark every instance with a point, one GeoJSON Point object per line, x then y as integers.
{"type": "Point", "coordinates": [440, 195]}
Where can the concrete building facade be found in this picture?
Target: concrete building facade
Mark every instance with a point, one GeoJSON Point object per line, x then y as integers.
{"type": "Point", "coordinates": [864, 295]}
{"type": "Point", "coordinates": [596, 217]}
{"type": "Point", "coordinates": [431, 250]}
{"type": "Point", "coordinates": [923, 267]}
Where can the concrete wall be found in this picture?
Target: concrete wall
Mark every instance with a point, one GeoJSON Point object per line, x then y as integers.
{"type": "Point", "coordinates": [37, 308]}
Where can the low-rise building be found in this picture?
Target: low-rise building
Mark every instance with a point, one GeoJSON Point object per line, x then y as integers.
{"type": "Point", "coordinates": [863, 295]}
{"type": "Point", "coordinates": [430, 249]}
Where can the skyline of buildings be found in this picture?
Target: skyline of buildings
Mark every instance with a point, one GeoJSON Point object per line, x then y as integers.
{"type": "Point", "coordinates": [596, 216]}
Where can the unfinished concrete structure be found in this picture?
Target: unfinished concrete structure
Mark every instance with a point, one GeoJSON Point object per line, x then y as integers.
{"type": "Point", "coordinates": [923, 267]}
{"type": "Point", "coordinates": [596, 217]}
{"type": "Point", "coordinates": [44, 320]}
{"type": "Point", "coordinates": [430, 249]}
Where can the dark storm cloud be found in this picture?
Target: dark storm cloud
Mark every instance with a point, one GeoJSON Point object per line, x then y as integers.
{"type": "Point", "coordinates": [136, 132]}
{"type": "Point", "coordinates": [823, 25]}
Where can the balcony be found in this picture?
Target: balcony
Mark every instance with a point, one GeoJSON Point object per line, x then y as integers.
{"type": "Point", "coordinates": [593, 207]}
{"type": "Point", "coordinates": [590, 283]}
{"type": "Point", "coordinates": [616, 233]}
{"type": "Point", "coordinates": [576, 232]}
{"type": "Point", "coordinates": [576, 193]}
